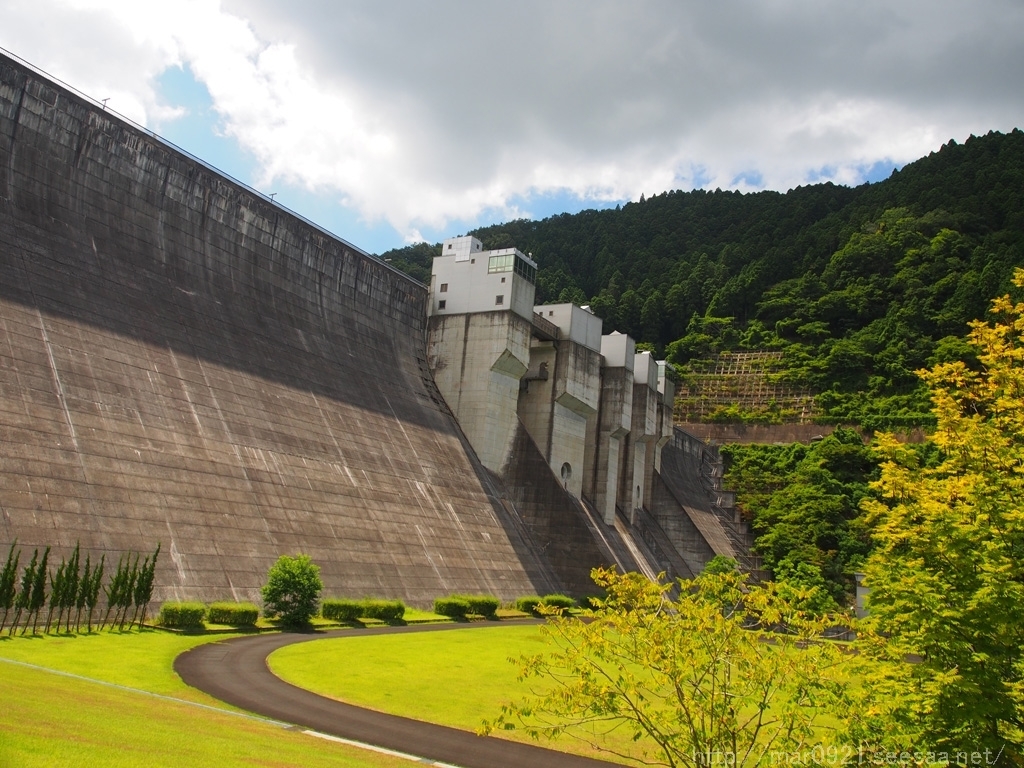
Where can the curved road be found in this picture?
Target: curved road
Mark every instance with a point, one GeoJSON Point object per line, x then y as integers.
{"type": "Point", "coordinates": [235, 671]}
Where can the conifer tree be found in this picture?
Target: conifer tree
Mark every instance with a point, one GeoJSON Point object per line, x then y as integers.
{"type": "Point", "coordinates": [115, 590]}
{"type": "Point", "coordinates": [80, 599]}
{"type": "Point", "coordinates": [71, 588]}
{"type": "Point", "coordinates": [144, 585]}
{"type": "Point", "coordinates": [9, 583]}
{"type": "Point", "coordinates": [58, 582]}
{"type": "Point", "coordinates": [94, 585]}
{"type": "Point", "coordinates": [38, 598]}
{"type": "Point", "coordinates": [129, 591]}
{"type": "Point", "coordinates": [24, 597]}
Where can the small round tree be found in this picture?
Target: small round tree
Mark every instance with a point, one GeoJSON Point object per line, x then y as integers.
{"type": "Point", "coordinates": [292, 591]}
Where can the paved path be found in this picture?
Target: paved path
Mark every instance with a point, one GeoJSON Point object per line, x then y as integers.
{"type": "Point", "coordinates": [236, 671]}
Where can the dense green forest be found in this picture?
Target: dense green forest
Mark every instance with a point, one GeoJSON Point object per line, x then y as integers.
{"type": "Point", "coordinates": [857, 287]}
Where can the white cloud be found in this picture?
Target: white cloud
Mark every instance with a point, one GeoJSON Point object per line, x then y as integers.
{"type": "Point", "coordinates": [424, 113]}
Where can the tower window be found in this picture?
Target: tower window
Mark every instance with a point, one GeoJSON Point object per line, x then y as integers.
{"type": "Point", "coordinates": [444, 287]}
{"type": "Point", "coordinates": [499, 300]}
{"type": "Point", "coordinates": [442, 303]}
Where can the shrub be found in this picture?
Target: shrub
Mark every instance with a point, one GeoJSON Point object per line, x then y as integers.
{"type": "Point", "coordinates": [341, 609]}
{"type": "Point", "coordinates": [182, 615]}
{"type": "Point", "coordinates": [455, 607]}
{"type": "Point", "coordinates": [293, 590]}
{"type": "Point", "coordinates": [233, 614]}
{"type": "Point", "coordinates": [344, 609]}
{"type": "Point", "coordinates": [527, 604]}
{"type": "Point", "coordinates": [385, 610]}
{"type": "Point", "coordinates": [563, 602]}
{"type": "Point", "coordinates": [481, 605]}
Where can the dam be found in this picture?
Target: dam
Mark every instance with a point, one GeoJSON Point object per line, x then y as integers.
{"type": "Point", "coordinates": [183, 362]}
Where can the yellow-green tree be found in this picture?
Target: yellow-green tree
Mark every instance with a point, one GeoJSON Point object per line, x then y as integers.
{"type": "Point", "coordinates": [947, 572]}
{"type": "Point", "coordinates": [724, 674]}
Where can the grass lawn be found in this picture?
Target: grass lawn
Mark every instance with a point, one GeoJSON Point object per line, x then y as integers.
{"type": "Point", "coordinates": [457, 678]}
{"type": "Point", "coordinates": [49, 719]}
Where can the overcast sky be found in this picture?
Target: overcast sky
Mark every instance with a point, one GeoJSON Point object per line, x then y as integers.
{"type": "Point", "coordinates": [392, 122]}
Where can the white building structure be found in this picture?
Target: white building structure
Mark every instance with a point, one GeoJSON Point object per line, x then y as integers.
{"type": "Point", "coordinates": [590, 404]}
{"type": "Point", "coordinates": [480, 326]}
{"type": "Point", "coordinates": [467, 279]}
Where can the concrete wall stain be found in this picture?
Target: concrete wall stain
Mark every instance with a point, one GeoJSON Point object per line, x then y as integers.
{"type": "Point", "coordinates": [182, 362]}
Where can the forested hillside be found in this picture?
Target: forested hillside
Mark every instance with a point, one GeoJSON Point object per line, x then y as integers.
{"type": "Point", "coordinates": [858, 288]}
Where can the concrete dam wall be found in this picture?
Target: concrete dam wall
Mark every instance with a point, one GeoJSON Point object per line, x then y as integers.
{"type": "Point", "coordinates": [182, 362]}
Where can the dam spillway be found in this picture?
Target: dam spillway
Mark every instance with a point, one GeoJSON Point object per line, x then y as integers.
{"type": "Point", "coordinates": [183, 362]}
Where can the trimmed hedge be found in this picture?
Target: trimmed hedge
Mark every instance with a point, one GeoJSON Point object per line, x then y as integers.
{"type": "Point", "coordinates": [481, 605]}
{"type": "Point", "coordinates": [385, 610]}
{"type": "Point", "coordinates": [341, 609]}
{"type": "Point", "coordinates": [233, 614]}
{"type": "Point", "coordinates": [351, 610]}
{"type": "Point", "coordinates": [528, 604]}
{"type": "Point", "coordinates": [558, 601]}
{"type": "Point", "coordinates": [182, 615]}
{"type": "Point", "coordinates": [455, 607]}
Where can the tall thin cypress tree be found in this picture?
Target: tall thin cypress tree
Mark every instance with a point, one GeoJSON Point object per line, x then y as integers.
{"type": "Point", "coordinates": [96, 583]}
{"type": "Point", "coordinates": [144, 585]}
{"type": "Point", "coordinates": [9, 583]}
{"type": "Point", "coordinates": [71, 588]}
{"type": "Point", "coordinates": [128, 594]}
{"type": "Point", "coordinates": [38, 599]}
{"type": "Point", "coordinates": [114, 589]}
{"type": "Point", "coordinates": [24, 598]}
{"type": "Point", "coordinates": [57, 583]}
{"type": "Point", "coordinates": [83, 592]}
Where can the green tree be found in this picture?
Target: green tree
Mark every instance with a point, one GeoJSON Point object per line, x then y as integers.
{"type": "Point", "coordinates": [143, 592]}
{"type": "Point", "coordinates": [947, 573]}
{"type": "Point", "coordinates": [115, 589]}
{"type": "Point", "coordinates": [292, 591]}
{"type": "Point", "coordinates": [9, 582]}
{"type": "Point", "coordinates": [24, 595]}
{"type": "Point", "coordinates": [37, 600]}
{"type": "Point", "coordinates": [69, 593]}
{"type": "Point", "coordinates": [704, 679]}
{"type": "Point", "coordinates": [720, 564]}
{"type": "Point", "coordinates": [92, 587]}
{"type": "Point", "coordinates": [804, 501]}
{"type": "Point", "coordinates": [804, 586]}
{"type": "Point", "coordinates": [58, 582]}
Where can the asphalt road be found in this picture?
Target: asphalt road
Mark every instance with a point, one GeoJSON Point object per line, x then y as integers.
{"type": "Point", "coordinates": [235, 671]}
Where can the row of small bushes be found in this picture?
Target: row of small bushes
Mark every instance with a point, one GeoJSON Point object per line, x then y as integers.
{"type": "Point", "coordinates": [185, 615]}
{"type": "Point", "coordinates": [460, 606]}
{"type": "Point", "coordinates": [190, 615]}
{"type": "Point", "coordinates": [351, 610]}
